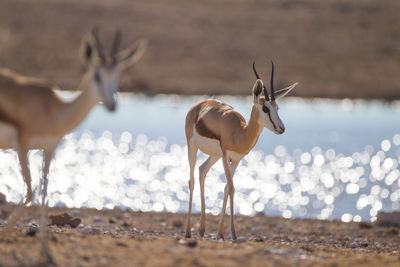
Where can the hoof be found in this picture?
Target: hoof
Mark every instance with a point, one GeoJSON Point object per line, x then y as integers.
{"type": "Point", "coordinates": [220, 236]}
{"type": "Point", "coordinates": [201, 233]}
{"type": "Point", "coordinates": [188, 235]}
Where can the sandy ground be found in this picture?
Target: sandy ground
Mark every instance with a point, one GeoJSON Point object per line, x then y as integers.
{"type": "Point", "coordinates": [333, 48]}
{"type": "Point", "coordinates": [124, 238]}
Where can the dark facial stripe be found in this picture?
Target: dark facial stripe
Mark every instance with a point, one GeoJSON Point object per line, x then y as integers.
{"type": "Point", "coordinates": [270, 119]}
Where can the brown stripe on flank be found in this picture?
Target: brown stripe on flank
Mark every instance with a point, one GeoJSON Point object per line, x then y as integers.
{"type": "Point", "coordinates": [202, 129]}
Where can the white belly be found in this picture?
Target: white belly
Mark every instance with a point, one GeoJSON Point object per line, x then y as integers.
{"type": "Point", "coordinates": [206, 145]}
{"type": "Point", "coordinates": [212, 147]}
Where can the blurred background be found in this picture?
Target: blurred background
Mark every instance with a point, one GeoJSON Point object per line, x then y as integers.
{"type": "Point", "coordinates": [338, 159]}
{"type": "Point", "coordinates": [334, 48]}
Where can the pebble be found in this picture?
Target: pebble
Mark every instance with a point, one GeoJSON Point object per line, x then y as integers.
{"type": "Point", "coordinates": [259, 239]}
{"type": "Point", "coordinates": [32, 229]}
{"type": "Point", "coordinates": [97, 219]}
{"type": "Point", "coordinates": [354, 245]}
{"type": "Point", "coordinates": [177, 224]}
{"type": "Point", "coordinates": [241, 239]}
{"type": "Point", "coordinates": [89, 230]}
{"type": "Point", "coordinates": [192, 243]}
{"type": "Point", "coordinates": [64, 218]}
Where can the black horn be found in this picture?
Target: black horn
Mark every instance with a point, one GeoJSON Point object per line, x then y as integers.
{"type": "Point", "coordinates": [115, 45]}
{"type": "Point", "coordinates": [272, 82]}
{"type": "Point", "coordinates": [98, 44]}
{"type": "Point", "coordinates": [258, 77]}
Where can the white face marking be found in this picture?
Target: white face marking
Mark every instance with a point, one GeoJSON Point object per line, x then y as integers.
{"type": "Point", "coordinates": [269, 117]}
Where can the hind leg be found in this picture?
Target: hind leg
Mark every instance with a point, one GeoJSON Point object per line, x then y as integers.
{"type": "Point", "coordinates": [203, 170]}
{"type": "Point", "coordinates": [192, 154]}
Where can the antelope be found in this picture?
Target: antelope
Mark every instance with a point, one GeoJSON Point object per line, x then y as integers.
{"type": "Point", "coordinates": [219, 131]}
{"type": "Point", "coordinates": [33, 117]}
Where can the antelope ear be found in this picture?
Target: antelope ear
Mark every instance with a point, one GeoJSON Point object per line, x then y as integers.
{"type": "Point", "coordinates": [132, 54]}
{"type": "Point", "coordinates": [87, 49]}
{"type": "Point", "coordinates": [257, 90]}
{"type": "Point", "coordinates": [282, 92]}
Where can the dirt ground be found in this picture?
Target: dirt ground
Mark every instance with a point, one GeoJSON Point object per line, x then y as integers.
{"type": "Point", "coordinates": [333, 48]}
{"type": "Point", "coordinates": [125, 238]}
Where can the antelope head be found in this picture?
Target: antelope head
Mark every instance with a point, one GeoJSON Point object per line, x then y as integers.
{"type": "Point", "coordinates": [266, 104]}
{"type": "Point", "coordinates": [104, 69]}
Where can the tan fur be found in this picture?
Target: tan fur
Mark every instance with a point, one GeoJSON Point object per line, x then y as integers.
{"type": "Point", "coordinates": [217, 120]}
{"type": "Point", "coordinates": [33, 117]}
{"type": "Point", "coordinates": [221, 132]}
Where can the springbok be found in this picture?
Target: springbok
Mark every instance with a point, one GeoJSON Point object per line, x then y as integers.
{"type": "Point", "coordinates": [219, 131]}
{"type": "Point", "coordinates": [33, 117]}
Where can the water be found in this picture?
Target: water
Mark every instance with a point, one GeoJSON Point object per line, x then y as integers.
{"type": "Point", "coordinates": [337, 159]}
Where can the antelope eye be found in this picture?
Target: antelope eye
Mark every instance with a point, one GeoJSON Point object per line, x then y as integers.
{"type": "Point", "coordinates": [265, 109]}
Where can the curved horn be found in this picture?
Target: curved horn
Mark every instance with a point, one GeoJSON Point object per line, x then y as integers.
{"type": "Point", "coordinates": [98, 44]}
{"type": "Point", "coordinates": [272, 82]}
{"type": "Point", "coordinates": [115, 45]}
{"type": "Point", "coordinates": [258, 77]}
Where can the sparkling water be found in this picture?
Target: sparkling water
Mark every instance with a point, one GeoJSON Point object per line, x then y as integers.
{"type": "Point", "coordinates": [337, 159]}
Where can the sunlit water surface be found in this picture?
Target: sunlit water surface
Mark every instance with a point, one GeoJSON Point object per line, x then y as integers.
{"type": "Point", "coordinates": [337, 159]}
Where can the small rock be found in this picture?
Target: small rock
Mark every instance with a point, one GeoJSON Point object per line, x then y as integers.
{"type": "Point", "coordinates": [74, 222]}
{"type": "Point", "coordinates": [32, 230]}
{"type": "Point", "coordinates": [322, 228]}
{"type": "Point", "coordinates": [97, 219]}
{"type": "Point", "coordinates": [135, 231]}
{"type": "Point", "coordinates": [259, 239]}
{"type": "Point", "coordinates": [111, 221]}
{"type": "Point", "coordinates": [354, 245]}
{"type": "Point", "coordinates": [120, 244]}
{"type": "Point", "coordinates": [125, 224]}
{"type": "Point", "coordinates": [3, 199]}
{"type": "Point", "coordinates": [192, 243]}
{"type": "Point", "coordinates": [357, 235]}
{"type": "Point", "coordinates": [89, 230]}
{"type": "Point", "coordinates": [64, 218]}
{"type": "Point", "coordinates": [177, 224]}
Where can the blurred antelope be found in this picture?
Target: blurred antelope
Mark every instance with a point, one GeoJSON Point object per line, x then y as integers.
{"type": "Point", "coordinates": [33, 117]}
{"type": "Point", "coordinates": [219, 131]}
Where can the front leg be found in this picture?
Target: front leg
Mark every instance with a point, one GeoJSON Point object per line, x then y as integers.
{"type": "Point", "coordinates": [45, 252]}
{"type": "Point", "coordinates": [229, 189]}
{"type": "Point", "coordinates": [22, 151]}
